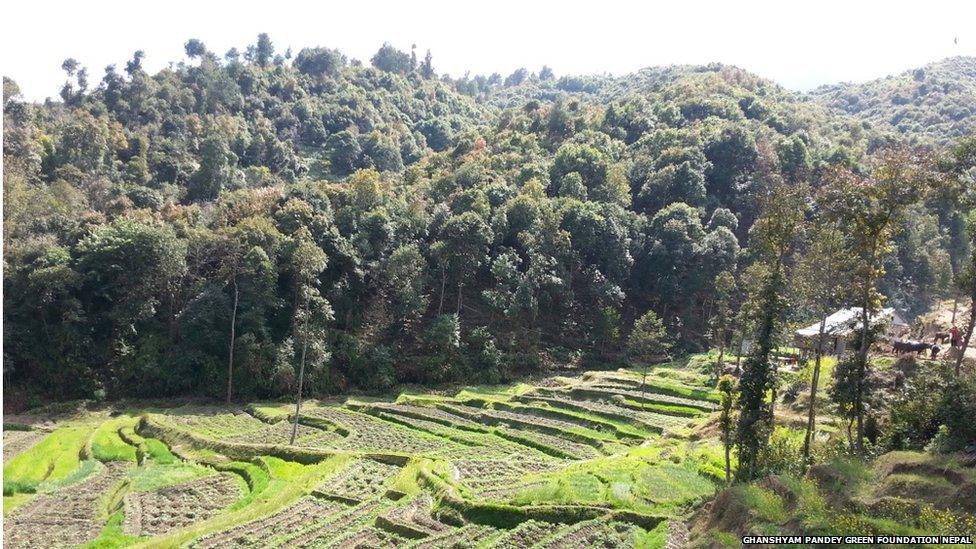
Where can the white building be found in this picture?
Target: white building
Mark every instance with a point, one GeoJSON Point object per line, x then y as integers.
{"type": "Point", "coordinates": [841, 329]}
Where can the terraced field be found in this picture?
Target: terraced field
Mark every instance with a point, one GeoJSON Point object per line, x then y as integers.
{"type": "Point", "coordinates": [597, 460]}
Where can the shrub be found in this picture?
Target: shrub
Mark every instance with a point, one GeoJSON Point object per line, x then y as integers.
{"type": "Point", "coordinates": [484, 357]}
{"type": "Point", "coordinates": [935, 403]}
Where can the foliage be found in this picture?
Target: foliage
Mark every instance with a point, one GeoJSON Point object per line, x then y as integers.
{"type": "Point", "coordinates": [928, 104]}
{"type": "Point", "coordinates": [52, 459]}
{"type": "Point", "coordinates": [935, 404]}
{"type": "Point", "coordinates": [545, 213]}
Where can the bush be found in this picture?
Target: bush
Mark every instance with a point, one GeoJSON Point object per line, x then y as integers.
{"type": "Point", "coordinates": [783, 454]}
{"type": "Point", "coordinates": [934, 402]}
{"type": "Point", "coordinates": [484, 357]}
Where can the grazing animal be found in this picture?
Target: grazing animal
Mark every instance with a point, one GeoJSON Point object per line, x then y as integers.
{"type": "Point", "coordinates": [935, 351]}
{"type": "Point", "coordinates": [940, 337]}
{"type": "Point", "coordinates": [907, 347]}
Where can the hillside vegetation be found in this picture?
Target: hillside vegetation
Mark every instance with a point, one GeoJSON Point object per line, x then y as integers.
{"type": "Point", "coordinates": [931, 104]}
{"type": "Point", "coordinates": [234, 216]}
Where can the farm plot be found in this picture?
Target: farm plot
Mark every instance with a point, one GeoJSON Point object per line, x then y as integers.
{"type": "Point", "coordinates": [159, 511]}
{"type": "Point", "coordinates": [15, 442]}
{"type": "Point", "coordinates": [414, 519]}
{"type": "Point", "coordinates": [497, 479]}
{"type": "Point", "coordinates": [367, 538]}
{"type": "Point", "coordinates": [526, 534]}
{"type": "Point", "coordinates": [66, 517]}
{"type": "Point", "coordinates": [471, 535]}
{"type": "Point", "coordinates": [218, 426]}
{"type": "Point", "coordinates": [263, 532]}
{"type": "Point", "coordinates": [524, 418]}
{"type": "Point", "coordinates": [563, 444]}
{"type": "Point", "coordinates": [653, 421]}
{"type": "Point", "coordinates": [592, 533]}
{"type": "Point", "coordinates": [483, 445]}
{"type": "Point", "coordinates": [360, 481]}
{"type": "Point", "coordinates": [648, 397]}
{"type": "Point", "coordinates": [280, 434]}
{"type": "Point", "coordinates": [522, 432]}
{"type": "Point", "coordinates": [370, 434]}
{"type": "Point", "coordinates": [429, 414]}
{"type": "Point", "coordinates": [337, 527]}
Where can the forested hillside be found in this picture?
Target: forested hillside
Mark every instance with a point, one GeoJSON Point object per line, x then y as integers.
{"type": "Point", "coordinates": [932, 104]}
{"type": "Point", "coordinates": [257, 213]}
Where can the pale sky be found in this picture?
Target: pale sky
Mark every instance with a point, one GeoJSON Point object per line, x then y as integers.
{"type": "Point", "coordinates": [800, 44]}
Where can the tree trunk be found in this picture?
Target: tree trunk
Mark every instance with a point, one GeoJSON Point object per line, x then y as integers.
{"type": "Point", "coordinates": [301, 377]}
{"type": "Point", "coordinates": [862, 353]}
{"type": "Point", "coordinates": [955, 306]}
{"type": "Point", "coordinates": [728, 459]}
{"type": "Point", "coordinates": [721, 360]}
{"type": "Point", "coordinates": [643, 382]}
{"type": "Point", "coordinates": [862, 360]}
{"type": "Point", "coordinates": [969, 336]}
{"type": "Point", "coordinates": [230, 351]}
{"type": "Point", "coordinates": [440, 306]}
{"type": "Point", "coordinates": [459, 300]}
{"type": "Point", "coordinates": [812, 415]}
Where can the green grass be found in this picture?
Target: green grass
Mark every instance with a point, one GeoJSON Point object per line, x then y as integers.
{"type": "Point", "coordinates": [158, 451]}
{"type": "Point", "coordinates": [254, 477]}
{"type": "Point", "coordinates": [641, 480]}
{"type": "Point", "coordinates": [79, 473]}
{"type": "Point", "coordinates": [152, 476]}
{"type": "Point", "coordinates": [112, 534]}
{"type": "Point", "coordinates": [12, 502]}
{"type": "Point", "coordinates": [653, 539]}
{"type": "Point", "coordinates": [149, 447]}
{"type": "Point", "coordinates": [281, 469]}
{"type": "Point", "coordinates": [407, 481]}
{"type": "Point", "coordinates": [51, 459]}
{"type": "Point", "coordinates": [107, 445]}
{"type": "Point", "coordinates": [766, 504]}
{"type": "Point", "coordinates": [279, 494]}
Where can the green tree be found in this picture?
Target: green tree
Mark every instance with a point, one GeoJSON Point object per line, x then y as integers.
{"type": "Point", "coordinates": [390, 59]}
{"type": "Point", "coordinates": [312, 311]}
{"type": "Point", "coordinates": [724, 291]}
{"type": "Point", "coordinates": [867, 209]}
{"type": "Point", "coordinates": [647, 341]}
{"type": "Point", "coordinates": [821, 285]}
{"type": "Point", "coordinates": [263, 50]}
{"type": "Point", "coordinates": [461, 250]}
{"type": "Point", "coordinates": [344, 151]}
{"type": "Point", "coordinates": [319, 62]}
{"type": "Point", "coordinates": [427, 66]}
{"type": "Point", "coordinates": [217, 171]}
{"type": "Point", "coordinates": [726, 421]}
{"type": "Point", "coordinates": [772, 241]}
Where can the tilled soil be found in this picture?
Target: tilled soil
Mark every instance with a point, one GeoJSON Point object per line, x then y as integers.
{"type": "Point", "coordinates": [160, 511]}
{"type": "Point", "coordinates": [64, 518]}
{"type": "Point", "coordinates": [15, 442]}
{"type": "Point", "coordinates": [262, 532]}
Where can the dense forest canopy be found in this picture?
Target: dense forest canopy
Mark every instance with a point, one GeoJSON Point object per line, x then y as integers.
{"type": "Point", "coordinates": [931, 104]}
{"type": "Point", "coordinates": [393, 225]}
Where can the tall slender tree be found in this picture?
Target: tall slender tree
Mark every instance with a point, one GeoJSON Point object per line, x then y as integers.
{"type": "Point", "coordinates": [772, 241]}
{"type": "Point", "coordinates": [311, 309]}
{"type": "Point", "coordinates": [821, 284]}
{"type": "Point", "coordinates": [868, 208]}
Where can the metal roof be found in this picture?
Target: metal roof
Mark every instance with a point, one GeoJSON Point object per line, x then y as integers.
{"type": "Point", "coordinates": [844, 320]}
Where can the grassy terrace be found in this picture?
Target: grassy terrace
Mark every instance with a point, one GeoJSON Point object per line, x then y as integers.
{"type": "Point", "coordinates": [582, 460]}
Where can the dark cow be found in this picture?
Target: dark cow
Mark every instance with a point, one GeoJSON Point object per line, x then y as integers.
{"type": "Point", "coordinates": [940, 337]}
{"type": "Point", "coordinates": [907, 347]}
